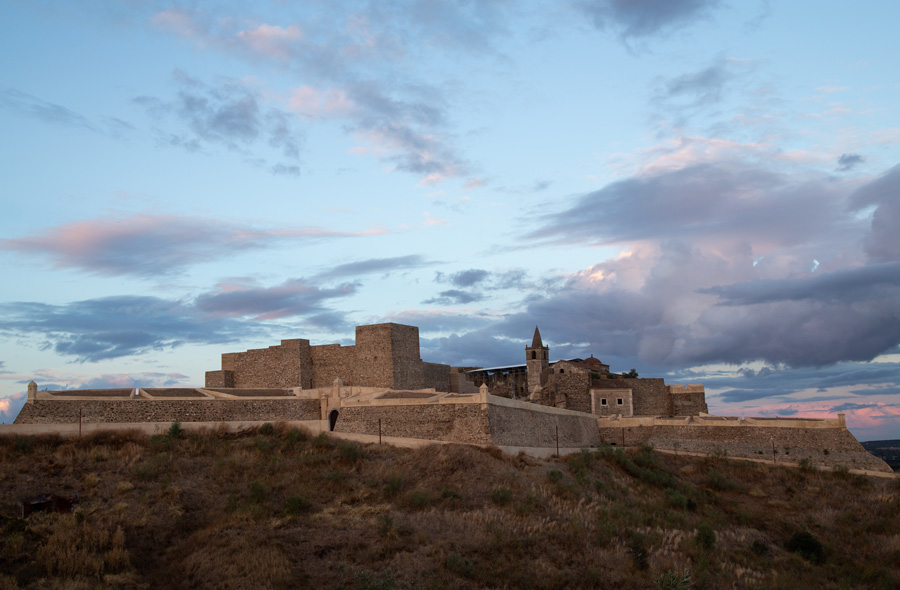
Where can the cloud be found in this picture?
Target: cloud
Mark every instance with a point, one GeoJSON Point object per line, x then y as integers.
{"type": "Point", "coordinates": [111, 327]}
{"type": "Point", "coordinates": [47, 112]}
{"type": "Point", "coordinates": [849, 161]}
{"type": "Point", "coordinates": [463, 278]}
{"type": "Point", "coordinates": [230, 114]}
{"type": "Point", "coordinates": [883, 242]}
{"type": "Point", "coordinates": [644, 18]}
{"type": "Point", "coordinates": [454, 297]}
{"type": "Point", "coordinates": [292, 298]}
{"type": "Point", "coordinates": [373, 265]}
{"type": "Point", "coordinates": [722, 200]}
{"type": "Point", "coordinates": [11, 406]}
{"type": "Point", "coordinates": [149, 245]}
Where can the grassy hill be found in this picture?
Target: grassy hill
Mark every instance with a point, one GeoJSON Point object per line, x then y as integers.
{"type": "Point", "coordinates": [274, 508]}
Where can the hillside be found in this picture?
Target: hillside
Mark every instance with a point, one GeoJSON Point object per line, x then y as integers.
{"type": "Point", "coordinates": [274, 508]}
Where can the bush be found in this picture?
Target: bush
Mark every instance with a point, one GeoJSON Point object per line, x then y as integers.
{"type": "Point", "coordinates": [175, 430]}
{"type": "Point", "coordinates": [555, 476]}
{"type": "Point", "coordinates": [266, 429]}
{"type": "Point", "coordinates": [639, 556]}
{"type": "Point", "coordinates": [706, 537]}
{"type": "Point", "coordinates": [259, 492]}
{"type": "Point", "coordinates": [460, 565]}
{"type": "Point", "coordinates": [672, 580]}
{"type": "Point", "coordinates": [418, 500]}
{"type": "Point", "coordinates": [501, 496]}
{"type": "Point", "coordinates": [296, 505]}
{"type": "Point", "coordinates": [807, 546]}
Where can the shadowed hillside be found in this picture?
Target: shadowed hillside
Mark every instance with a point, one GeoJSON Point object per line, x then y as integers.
{"type": "Point", "coordinates": [274, 508]}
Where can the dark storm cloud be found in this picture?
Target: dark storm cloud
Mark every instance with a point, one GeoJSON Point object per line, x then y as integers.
{"type": "Point", "coordinates": [294, 297]}
{"type": "Point", "coordinates": [229, 114]}
{"type": "Point", "coordinates": [849, 161]}
{"type": "Point", "coordinates": [484, 348]}
{"type": "Point", "coordinates": [703, 201]}
{"type": "Point", "coordinates": [644, 18]}
{"type": "Point", "coordinates": [454, 297]}
{"type": "Point", "coordinates": [152, 245]}
{"type": "Point", "coordinates": [883, 242]}
{"type": "Point", "coordinates": [110, 327]}
{"type": "Point", "coordinates": [854, 285]}
{"type": "Point", "coordinates": [373, 265]}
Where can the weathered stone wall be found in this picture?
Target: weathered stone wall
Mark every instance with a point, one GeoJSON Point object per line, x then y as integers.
{"type": "Point", "coordinates": [520, 427]}
{"type": "Point", "coordinates": [612, 397]}
{"type": "Point", "coordinates": [823, 446]}
{"type": "Point", "coordinates": [574, 389]}
{"type": "Point", "coordinates": [437, 376]}
{"type": "Point", "coordinates": [331, 361]}
{"type": "Point", "coordinates": [409, 372]}
{"type": "Point", "coordinates": [463, 423]}
{"type": "Point", "coordinates": [220, 379]}
{"type": "Point", "coordinates": [649, 396]}
{"type": "Point", "coordinates": [460, 382]}
{"type": "Point", "coordinates": [145, 410]}
{"type": "Point", "coordinates": [275, 366]}
{"type": "Point", "coordinates": [690, 403]}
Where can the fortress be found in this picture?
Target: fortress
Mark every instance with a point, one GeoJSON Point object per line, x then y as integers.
{"type": "Point", "coordinates": [381, 387]}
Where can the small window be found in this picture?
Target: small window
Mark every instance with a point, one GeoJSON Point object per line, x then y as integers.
{"type": "Point", "coordinates": [533, 355]}
{"type": "Point", "coordinates": [562, 371]}
{"type": "Point", "coordinates": [619, 402]}
{"type": "Point", "coordinates": [602, 401]}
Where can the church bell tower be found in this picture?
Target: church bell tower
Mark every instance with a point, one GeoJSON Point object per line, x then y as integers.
{"type": "Point", "coordinates": [537, 360]}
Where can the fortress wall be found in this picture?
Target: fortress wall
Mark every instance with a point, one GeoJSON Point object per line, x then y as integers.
{"type": "Point", "coordinates": [220, 379]}
{"type": "Point", "coordinates": [514, 426]}
{"type": "Point", "coordinates": [462, 423]}
{"type": "Point", "coordinates": [275, 366]}
{"type": "Point", "coordinates": [409, 372]}
{"type": "Point", "coordinates": [823, 446]}
{"type": "Point", "coordinates": [331, 361]}
{"type": "Point", "coordinates": [650, 397]}
{"type": "Point", "coordinates": [145, 410]}
{"type": "Point", "coordinates": [690, 403]}
{"type": "Point", "coordinates": [436, 376]}
{"type": "Point", "coordinates": [575, 388]}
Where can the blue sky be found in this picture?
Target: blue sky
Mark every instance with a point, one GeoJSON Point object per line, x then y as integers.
{"type": "Point", "coordinates": [701, 190]}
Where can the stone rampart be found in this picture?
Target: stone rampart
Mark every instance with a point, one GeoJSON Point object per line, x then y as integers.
{"type": "Point", "coordinates": [275, 366]}
{"type": "Point", "coordinates": [463, 423]}
{"type": "Point", "coordinates": [517, 425]}
{"type": "Point", "coordinates": [689, 403]}
{"type": "Point", "coordinates": [333, 361]}
{"type": "Point", "coordinates": [574, 389]}
{"type": "Point", "coordinates": [436, 376]}
{"type": "Point", "coordinates": [822, 442]}
{"type": "Point", "coordinates": [161, 410]}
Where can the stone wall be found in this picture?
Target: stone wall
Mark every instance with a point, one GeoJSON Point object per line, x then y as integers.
{"type": "Point", "coordinates": [691, 403]}
{"type": "Point", "coordinates": [823, 446]}
{"type": "Point", "coordinates": [463, 423]}
{"type": "Point", "coordinates": [523, 427]}
{"type": "Point", "coordinates": [574, 389]}
{"type": "Point", "coordinates": [145, 410]}
{"type": "Point", "coordinates": [436, 376]}
{"type": "Point", "coordinates": [332, 361]}
{"type": "Point", "coordinates": [649, 396]}
{"type": "Point", "coordinates": [220, 379]}
{"type": "Point", "coordinates": [612, 406]}
{"type": "Point", "coordinates": [275, 366]}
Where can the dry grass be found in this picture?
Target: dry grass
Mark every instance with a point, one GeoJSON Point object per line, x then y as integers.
{"type": "Point", "coordinates": [276, 508]}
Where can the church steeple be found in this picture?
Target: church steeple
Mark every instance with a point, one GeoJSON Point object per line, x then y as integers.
{"type": "Point", "coordinates": [537, 360]}
{"type": "Point", "coordinates": [536, 342]}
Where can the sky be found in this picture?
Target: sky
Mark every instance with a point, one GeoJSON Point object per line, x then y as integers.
{"type": "Point", "coordinates": [702, 190]}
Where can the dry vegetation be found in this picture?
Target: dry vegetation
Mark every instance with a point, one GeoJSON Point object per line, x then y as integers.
{"type": "Point", "coordinates": [275, 508]}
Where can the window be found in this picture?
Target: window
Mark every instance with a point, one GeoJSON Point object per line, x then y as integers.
{"type": "Point", "coordinates": [602, 401]}
{"type": "Point", "coordinates": [561, 371]}
{"type": "Point", "coordinates": [619, 402]}
{"type": "Point", "coordinates": [533, 355]}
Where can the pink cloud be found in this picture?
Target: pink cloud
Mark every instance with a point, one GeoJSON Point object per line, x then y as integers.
{"type": "Point", "coordinates": [272, 40]}
{"type": "Point", "coordinates": [321, 103]}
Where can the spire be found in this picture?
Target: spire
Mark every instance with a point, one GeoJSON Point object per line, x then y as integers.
{"type": "Point", "coordinates": [536, 341]}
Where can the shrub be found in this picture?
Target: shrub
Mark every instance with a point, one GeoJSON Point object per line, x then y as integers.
{"type": "Point", "coordinates": [807, 546]}
{"type": "Point", "coordinates": [639, 556]}
{"type": "Point", "coordinates": [266, 429]}
{"type": "Point", "coordinates": [385, 524]}
{"type": "Point", "coordinates": [394, 484]}
{"type": "Point", "coordinates": [295, 435]}
{"type": "Point", "coordinates": [350, 452]}
{"type": "Point", "coordinates": [321, 441]}
{"type": "Point", "coordinates": [555, 476]}
{"type": "Point", "coordinates": [175, 430]}
{"type": "Point", "coordinates": [676, 499]}
{"type": "Point", "coordinates": [706, 537]}
{"type": "Point", "coordinates": [259, 492]}
{"type": "Point", "coordinates": [418, 500]}
{"type": "Point", "coordinates": [501, 496]}
{"type": "Point", "coordinates": [806, 465]}
{"type": "Point", "coordinates": [460, 565]}
{"type": "Point", "coordinates": [759, 548]}
{"type": "Point", "coordinates": [672, 580]}
{"type": "Point", "coordinates": [296, 505]}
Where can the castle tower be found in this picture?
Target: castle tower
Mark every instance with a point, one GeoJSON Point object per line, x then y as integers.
{"type": "Point", "coordinates": [537, 360]}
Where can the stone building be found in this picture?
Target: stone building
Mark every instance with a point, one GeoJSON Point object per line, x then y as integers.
{"type": "Point", "coordinates": [385, 356]}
